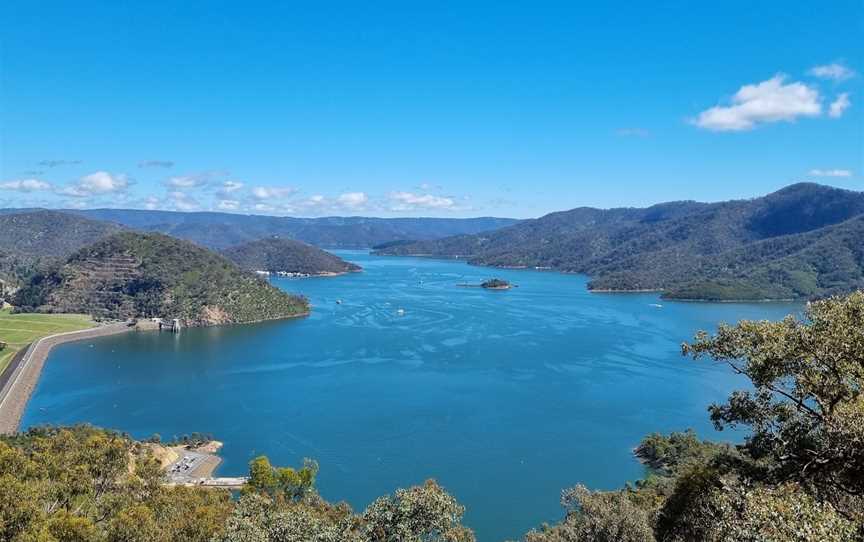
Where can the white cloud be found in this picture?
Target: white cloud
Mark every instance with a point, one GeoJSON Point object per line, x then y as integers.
{"type": "Point", "coordinates": [272, 192]}
{"type": "Point", "coordinates": [838, 106]}
{"type": "Point", "coordinates": [229, 187]}
{"type": "Point", "coordinates": [151, 203]}
{"type": "Point", "coordinates": [98, 183]}
{"type": "Point", "coordinates": [830, 173]}
{"type": "Point", "coordinates": [834, 71]}
{"type": "Point", "coordinates": [353, 200]}
{"type": "Point", "coordinates": [768, 101]}
{"type": "Point", "coordinates": [228, 205]}
{"type": "Point", "coordinates": [187, 181]}
{"type": "Point", "coordinates": [182, 201]}
{"type": "Point", "coordinates": [408, 201]}
{"type": "Point", "coordinates": [26, 185]}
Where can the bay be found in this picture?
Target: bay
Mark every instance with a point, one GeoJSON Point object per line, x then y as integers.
{"type": "Point", "coordinates": [504, 397]}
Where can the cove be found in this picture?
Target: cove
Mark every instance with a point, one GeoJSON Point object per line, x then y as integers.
{"type": "Point", "coordinates": [504, 397]}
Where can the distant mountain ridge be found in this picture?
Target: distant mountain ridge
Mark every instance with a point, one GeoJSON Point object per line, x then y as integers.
{"type": "Point", "coordinates": [771, 247]}
{"type": "Point", "coordinates": [276, 255]}
{"type": "Point", "coordinates": [132, 274]}
{"type": "Point", "coordinates": [222, 230]}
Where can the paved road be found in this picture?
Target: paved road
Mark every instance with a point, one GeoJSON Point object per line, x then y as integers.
{"type": "Point", "coordinates": [21, 380]}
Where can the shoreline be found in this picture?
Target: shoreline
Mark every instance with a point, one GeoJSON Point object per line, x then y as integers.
{"type": "Point", "coordinates": [24, 378]}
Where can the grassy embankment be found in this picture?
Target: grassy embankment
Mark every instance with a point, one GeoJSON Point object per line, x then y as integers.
{"type": "Point", "coordinates": [19, 330]}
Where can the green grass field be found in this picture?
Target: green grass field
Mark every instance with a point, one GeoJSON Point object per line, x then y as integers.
{"type": "Point", "coordinates": [18, 330]}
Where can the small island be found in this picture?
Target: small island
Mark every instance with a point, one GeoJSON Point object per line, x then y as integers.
{"type": "Point", "coordinates": [496, 284]}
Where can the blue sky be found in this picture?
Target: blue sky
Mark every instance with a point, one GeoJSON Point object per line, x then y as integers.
{"type": "Point", "coordinates": [425, 108]}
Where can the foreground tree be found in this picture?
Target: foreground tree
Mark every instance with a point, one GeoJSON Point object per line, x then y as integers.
{"type": "Point", "coordinates": [86, 484]}
{"type": "Point", "coordinates": [613, 516]}
{"type": "Point", "coordinates": [800, 473]}
{"type": "Point", "coordinates": [806, 413]}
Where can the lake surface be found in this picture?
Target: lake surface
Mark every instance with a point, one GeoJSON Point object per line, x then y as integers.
{"type": "Point", "coordinates": [505, 397]}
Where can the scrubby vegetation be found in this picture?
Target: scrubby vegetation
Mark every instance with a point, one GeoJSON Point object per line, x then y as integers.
{"type": "Point", "coordinates": [90, 485]}
{"type": "Point", "coordinates": [798, 475]}
{"type": "Point", "coordinates": [800, 242]}
{"type": "Point", "coordinates": [143, 275]}
{"type": "Point", "coordinates": [32, 240]}
{"type": "Point", "coordinates": [495, 284]}
{"type": "Point", "coordinates": [276, 254]}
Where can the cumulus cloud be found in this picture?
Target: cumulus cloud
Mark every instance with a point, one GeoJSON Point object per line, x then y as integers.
{"type": "Point", "coordinates": [272, 192]}
{"type": "Point", "coordinates": [188, 181]}
{"type": "Point", "coordinates": [773, 100]}
{"type": "Point", "coordinates": [408, 201]}
{"type": "Point", "coordinates": [95, 184]}
{"type": "Point", "coordinates": [839, 106]}
{"type": "Point", "coordinates": [56, 163]}
{"type": "Point", "coordinates": [353, 200]}
{"type": "Point", "coordinates": [156, 163]}
{"type": "Point", "coordinates": [26, 185]}
{"type": "Point", "coordinates": [152, 203]}
{"type": "Point", "coordinates": [182, 201]}
{"type": "Point", "coordinates": [830, 173]}
{"type": "Point", "coordinates": [228, 188]}
{"type": "Point", "coordinates": [834, 71]}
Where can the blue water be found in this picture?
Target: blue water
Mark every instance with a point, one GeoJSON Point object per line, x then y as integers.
{"type": "Point", "coordinates": [504, 397]}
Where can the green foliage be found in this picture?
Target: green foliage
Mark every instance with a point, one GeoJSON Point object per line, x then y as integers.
{"type": "Point", "coordinates": [86, 484]}
{"type": "Point", "coordinates": [599, 517]}
{"type": "Point", "coordinates": [495, 283]}
{"type": "Point", "coordinates": [284, 482]}
{"type": "Point", "coordinates": [668, 455]}
{"type": "Point", "coordinates": [424, 513]}
{"type": "Point", "coordinates": [277, 254]}
{"type": "Point", "coordinates": [806, 411]}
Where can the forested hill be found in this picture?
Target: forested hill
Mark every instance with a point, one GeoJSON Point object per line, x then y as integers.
{"type": "Point", "coordinates": [798, 242]}
{"type": "Point", "coordinates": [150, 274]}
{"type": "Point", "coordinates": [222, 230]}
{"type": "Point", "coordinates": [39, 234]}
{"type": "Point", "coordinates": [29, 239]}
{"type": "Point", "coordinates": [276, 254]}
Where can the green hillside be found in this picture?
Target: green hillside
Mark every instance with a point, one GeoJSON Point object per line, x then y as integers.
{"type": "Point", "coordinates": [31, 239]}
{"type": "Point", "coordinates": [146, 275]}
{"type": "Point", "coordinates": [287, 255]}
{"type": "Point", "coordinates": [748, 249]}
